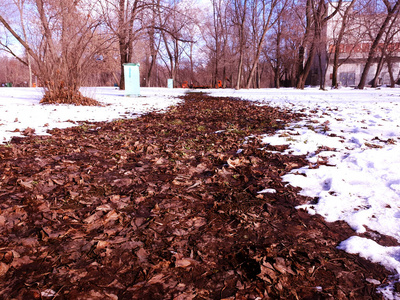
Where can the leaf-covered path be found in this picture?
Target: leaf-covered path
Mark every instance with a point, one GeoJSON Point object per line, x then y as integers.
{"type": "Point", "coordinates": [167, 206]}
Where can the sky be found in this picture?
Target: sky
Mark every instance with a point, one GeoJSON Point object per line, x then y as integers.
{"type": "Point", "coordinates": [358, 132]}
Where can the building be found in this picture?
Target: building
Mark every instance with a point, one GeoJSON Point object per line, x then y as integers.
{"type": "Point", "coordinates": [354, 49]}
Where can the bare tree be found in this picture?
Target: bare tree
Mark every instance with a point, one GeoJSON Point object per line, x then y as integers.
{"type": "Point", "coordinates": [384, 49]}
{"type": "Point", "coordinates": [216, 32]}
{"type": "Point", "coordinates": [264, 15]}
{"type": "Point", "coordinates": [276, 63]}
{"type": "Point", "coordinates": [343, 25]}
{"type": "Point", "coordinates": [175, 24]}
{"type": "Point", "coordinates": [316, 17]}
{"type": "Point", "coordinates": [153, 40]}
{"type": "Point", "coordinates": [390, 51]}
{"type": "Point", "coordinates": [391, 11]}
{"type": "Point", "coordinates": [12, 71]}
{"type": "Point", "coordinates": [282, 50]}
{"type": "Point", "coordinates": [123, 18]}
{"type": "Point", "coordinates": [64, 51]}
{"type": "Point", "coordinates": [239, 20]}
{"type": "Point", "coordinates": [20, 6]}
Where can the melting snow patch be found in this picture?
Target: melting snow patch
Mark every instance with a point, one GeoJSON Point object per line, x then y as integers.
{"type": "Point", "coordinates": [389, 257]}
{"type": "Point", "coordinates": [267, 191]}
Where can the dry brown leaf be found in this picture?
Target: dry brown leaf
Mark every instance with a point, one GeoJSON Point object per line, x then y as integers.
{"type": "Point", "coordinates": [198, 221]}
{"type": "Point", "coordinates": [142, 255]}
{"type": "Point", "coordinates": [26, 184]}
{"type": "Point", "coordinates": [180, 232]}
{"type": "Point", "coordinates": [111, 216]}
{"type": "Point", "coordinates": [94, 217]}
{"type": "Point", "coordinates": [104, 207]}
{"type": "Point", "coordinates": [157, 279]}
{"type": "Point", "coordinates": [283, 266]}
{"type": "Point", "coordinates": [184, 263]}
{"type": "Point", "coordinates": [19, 261]}
{"type": "Point", "coordinates": [3, 268]}
{"type": "Point", "coordinates": [102, 244]}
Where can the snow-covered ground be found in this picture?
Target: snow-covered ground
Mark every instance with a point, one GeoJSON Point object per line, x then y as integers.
{"type": "Point", "coordinates": [356, 133]}
{"type": "Point", "coordinates": [20, 108]}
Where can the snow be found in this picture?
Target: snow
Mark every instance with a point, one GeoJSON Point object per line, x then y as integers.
{"type": "Point", "coordinates": [267, 191]}
{"type": "Point", "coordinates": [20, 108]}
{"type": "Point", "coordinates": [352, 135]}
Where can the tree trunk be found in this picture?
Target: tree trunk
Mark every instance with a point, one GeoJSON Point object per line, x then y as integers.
{"type": "Point", "coordinates": [152, 46]}
{"type": "Point", "coordinates": [302, 77]}
{"type": "Point", "coordinates": [256, 58]}
{"type": "Point", "coordinates": [375, 44]}
{"type": "Point", "coordinates": [242, 20]}
{"type": "Point", "coordinates": [20, 5]}
{"type": "Point", "coordinates": [378, 71]}
{"type": "Point", "coordinates": [321, 72]}
{"type": "Point", "coordinates": [278, 57]}
{"type": "Point", "coordinates": [335, 81]}
{"type": "Point", "coordinates": [216, 38]}
{"type": "Point", "coordinates": [300, 66]}
{"type": "Point", "coordinates": [239, 72]}
{"type": "Point", "coordinates": [390, 69]}
{"type": "Point", "coordinates": [124, 60]}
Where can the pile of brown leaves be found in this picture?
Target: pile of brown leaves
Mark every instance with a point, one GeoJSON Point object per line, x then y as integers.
{"type": "Point", "coordinates": [166, 206]}
{"type": "Point", "coordinates": [67, 96]}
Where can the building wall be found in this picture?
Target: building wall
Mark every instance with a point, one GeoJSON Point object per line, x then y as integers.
{"type": "Point", "coordinates": [350, 74]}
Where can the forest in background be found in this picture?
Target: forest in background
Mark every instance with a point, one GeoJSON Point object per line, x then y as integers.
{"type": "Point", "coordinates": [226, 43]}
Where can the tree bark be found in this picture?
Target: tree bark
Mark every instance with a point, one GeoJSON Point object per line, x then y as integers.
{"type": "Point", "coordinates": [378, 71]}
{"type": "Point", "coordinates": [390, 69]}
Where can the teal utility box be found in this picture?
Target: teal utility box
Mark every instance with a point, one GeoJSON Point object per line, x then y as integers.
{"type": "Point", "coordinates": [170, 83]}
{"type": "Point", "coordinates": [132, 80]}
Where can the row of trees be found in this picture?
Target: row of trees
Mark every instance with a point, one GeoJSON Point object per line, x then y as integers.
{"type": "Point", "coordinates": [237, 43]}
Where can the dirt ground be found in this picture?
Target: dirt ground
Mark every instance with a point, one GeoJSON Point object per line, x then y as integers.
{"type": "Point", "coordinates": [166, 206]}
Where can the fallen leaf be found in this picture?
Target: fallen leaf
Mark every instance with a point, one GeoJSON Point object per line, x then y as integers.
{"type": "Point", "coordinates": [183, 263]}
{"type": "Point", "coordinates": [283, 266]}
{"type": "Point", "coordinates": [3, 268]}
{"type": "Point", "coordinates": [142, 255]}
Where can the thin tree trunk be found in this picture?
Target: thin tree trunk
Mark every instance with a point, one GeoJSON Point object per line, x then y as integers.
{"type": "Point", "coordinates": [191, 65]}
{"type": "Point", "coordinates": [240, 66]}
{"type": "Point", "coordinates": [335, 81]}
{"type": "Point", "coordinates": [28, 57]}
{"type": "Point", "coordinates": [321, 72]}
{"type": "Point", "coordinates": [390, 69]}
{"type": "Point", "coordinates": [378, 71]}
{"type": "Point", "coordinates": [256, 58]}
{"type": "Point", "coordinates": [278, 57]}
{"type": "Point", "coordinates": [241, 44]}
{"type": "Point", "coordinates": [216, 37]}
{"type": "Point", "coordinates": [265, 28]}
